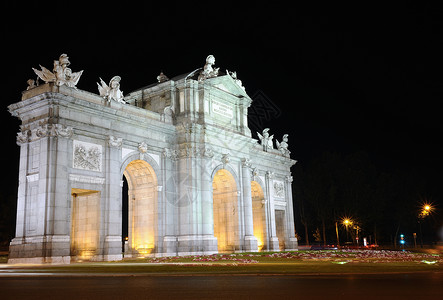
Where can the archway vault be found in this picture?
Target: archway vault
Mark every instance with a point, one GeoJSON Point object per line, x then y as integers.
{"type": "Point", "coordinates": [142, 207]}
{"type": "Point", "coordinates": [259, 215]}
{"type": "Point", "coordinates": [225, 205]}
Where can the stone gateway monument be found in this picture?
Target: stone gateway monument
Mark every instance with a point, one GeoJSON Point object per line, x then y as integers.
{"type": "Point", "coordinates": [196, 181]}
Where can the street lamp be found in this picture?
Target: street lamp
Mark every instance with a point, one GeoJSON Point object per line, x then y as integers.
{"type": "Point", "coordinates": [426, 210]}
{"type": "Point", "coordinates": [347, 222]}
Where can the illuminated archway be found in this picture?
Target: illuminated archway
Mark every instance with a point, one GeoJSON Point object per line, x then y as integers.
{"type": "Point", "coordinates": [142, 207]}
{"type": "Point", "coordinates": [225, 205]}
{"type": "Point", "coordinates": [259, 215]}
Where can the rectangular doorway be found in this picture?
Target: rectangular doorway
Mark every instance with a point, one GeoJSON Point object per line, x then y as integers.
{"type": "Point", "coordinates": [280, 228]}
{"type": "Point", "coordinates": [85, 223]}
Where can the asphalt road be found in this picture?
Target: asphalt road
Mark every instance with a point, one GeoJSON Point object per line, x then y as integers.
{"type": "Point", "coordinates": [118, 286]}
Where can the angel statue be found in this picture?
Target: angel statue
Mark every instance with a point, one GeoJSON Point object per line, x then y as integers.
{"type": "Point", "coordinates": [208, 71]}
{"type": "Point", "coordinates": [266, 140]}
{"type": "Point", "coordinates": [234, 76]}
{"type": "Point", "coordinates": [61, 74]}
{"type": "Point", "coordinates": [111, 92]}
{"type": "Point", "coordinates": [283, 146]}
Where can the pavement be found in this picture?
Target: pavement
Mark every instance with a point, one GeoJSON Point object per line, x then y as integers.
{"type": "Point", "coordinates": [28, 282]}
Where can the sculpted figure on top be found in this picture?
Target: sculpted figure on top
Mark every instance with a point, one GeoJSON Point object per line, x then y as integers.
{"type": "Point", "coordinates": [234, 76]}
{"type": "Point", "coordinates": [111, 92]}
{"type": "Point", "coordinates": [61, 74]}
{"type": "Point", "coordinates": [162, 77]}
{"type": "Point", "coordinates": [283, 146]}
{"type": "Point", "coordinates": [266, 140]}
{"type": "Point", "coordinates": [208, 71]}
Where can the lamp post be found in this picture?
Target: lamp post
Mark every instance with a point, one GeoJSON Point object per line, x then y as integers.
{"type": "Point", "coordinates": [336, 232]}
{"type": "Point", "coordinates": [357, 229]}
{"type": "Point", "coordinates": [426, 210]}
{"type": "Point", "coordinates": [347, 222]}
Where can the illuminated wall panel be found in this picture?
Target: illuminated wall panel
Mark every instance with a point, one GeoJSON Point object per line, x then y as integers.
{"type": "Point", "coordinates": [280, 227]}
{"type": "Point", "coordinates": [85, 223]}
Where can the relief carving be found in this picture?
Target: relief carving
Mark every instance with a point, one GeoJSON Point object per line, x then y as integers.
{"type": "Point", "coordinates": [279, 189]}
{"type": "Point", "coordinates": [87, 156]}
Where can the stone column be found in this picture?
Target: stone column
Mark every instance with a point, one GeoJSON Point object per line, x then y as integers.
{"type": "Point", "coordinates": [184, 197]}
{"type": "Point", "coordinates": [22, 182]}
{"type": "Point", "coordinates": [169, 192]}
{"type": "Point", "coordinates": [55, 149]}
{"type": "Point", "coordinates": [206, 194]}
{"type": "Point", "coordinates": [272, 232]}
{"type": "Point", "coordinates": [291, 240]}
{"type": "Point", "coordinates": [17, 245]}
{"type": "Point", "coordinates": [209, 240]}
{"type": "Point", "coordinates": [251, 243]}
{"type": "Point", "coordinates": [112, 210]}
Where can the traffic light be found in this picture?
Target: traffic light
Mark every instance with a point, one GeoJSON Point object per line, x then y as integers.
{"type": "Point", "coordinates": [402, 239]}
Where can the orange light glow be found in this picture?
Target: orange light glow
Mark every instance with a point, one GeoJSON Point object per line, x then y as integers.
{"type": "Point", "coordinates": [425, 210]}
{"type": "Point", "coordinates": [346, 221]}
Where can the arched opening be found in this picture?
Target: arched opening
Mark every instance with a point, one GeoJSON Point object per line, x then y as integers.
{"type": "Point", "coordinates": [142, 208]}
{"type": "Point", "coordinates": [125, 196]}
{"type": "Point", "coordinates": [224, 193]}
{"type": "Point", "coordinates": [259, 215]}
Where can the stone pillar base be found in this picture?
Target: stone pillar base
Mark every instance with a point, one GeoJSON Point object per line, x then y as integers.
{"type": "Point", "coordinates": [54, 260]}
{"type": "Point", "coordinates": [251, 244]}
{"type": "Point", "coordinates": [291, 245]}
{"type": "Point", "coordinates": [40, 249]}
{"type": "Point", "coordinates": [197, 245]}
{"type": "Point", "coordinates": [273, 244]}
{"type": "Point", "coordinates": [113, 248]}
{"type": "Point", "coordinates": [112, 257]}
{"type": "Point", "coordinates": [169, 246]}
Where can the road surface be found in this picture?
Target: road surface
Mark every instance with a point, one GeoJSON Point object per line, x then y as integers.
{"type": "Point", "coordinates": [142, 286]}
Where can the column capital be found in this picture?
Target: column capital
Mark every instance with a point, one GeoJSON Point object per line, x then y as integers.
{"type": "Point", "coordinates": [115, 142]}
{"type": "Point", "coordinates": [246, 162]}
{"type": "Point", "coordinates": [289, 178]}
{"type": "Point", "coordinates": [226, 158]}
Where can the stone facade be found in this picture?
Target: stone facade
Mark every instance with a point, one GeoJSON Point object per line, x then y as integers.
{"type": "Point", "coordinates": [198, 182]}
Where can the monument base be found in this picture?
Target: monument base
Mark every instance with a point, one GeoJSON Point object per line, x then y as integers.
{"type": "Point", "coordinates": [273, 244]}
{"type": "Point", "coordinates": [54, 249]}
{"type": "Point", "coordinates": [197, 245]}
{"type": "Point", "coordinates": [292, 244]}
{"type": "Point", "coordinates": [251, 244]}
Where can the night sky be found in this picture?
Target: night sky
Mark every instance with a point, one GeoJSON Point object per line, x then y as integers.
{"type": "Point", "coordinates": [335, 78]}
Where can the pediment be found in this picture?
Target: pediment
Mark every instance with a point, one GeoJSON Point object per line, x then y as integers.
{"type": "Point", "coordinates": [227, 84]}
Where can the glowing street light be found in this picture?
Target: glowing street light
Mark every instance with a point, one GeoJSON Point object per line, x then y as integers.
{"type": "Point", "coordinates": [426, 210]}
{"type": "Point", "coordinates": [347, 222]}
